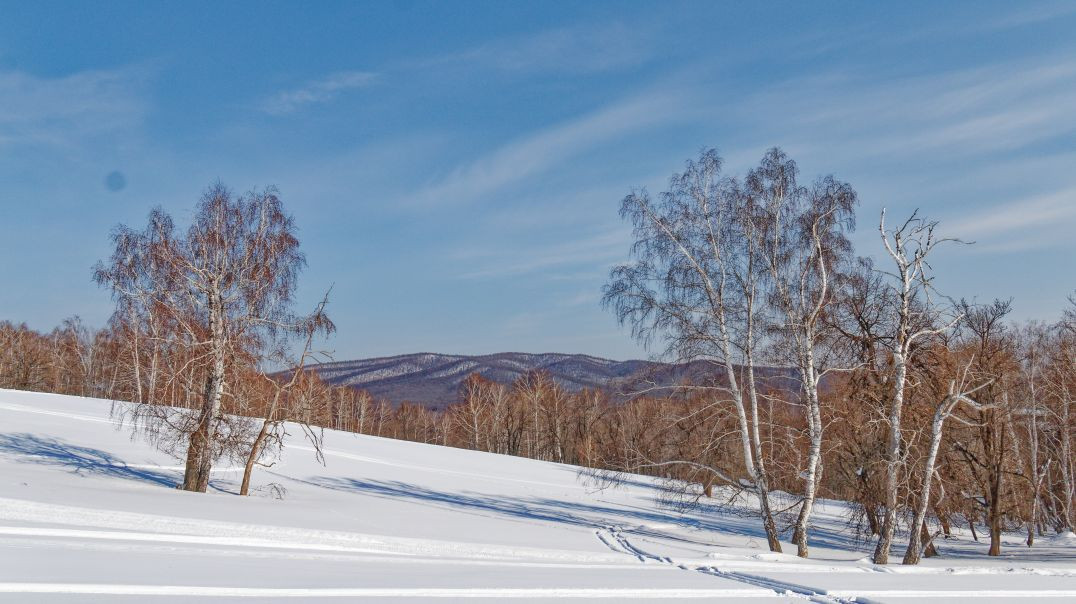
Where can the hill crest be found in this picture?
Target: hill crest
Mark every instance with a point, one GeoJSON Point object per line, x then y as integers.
{"type": "Point", "coordinates": [433, 379]}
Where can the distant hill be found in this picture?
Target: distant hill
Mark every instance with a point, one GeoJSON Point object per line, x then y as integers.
{"type": "Point", "coordinates": [434, 380]}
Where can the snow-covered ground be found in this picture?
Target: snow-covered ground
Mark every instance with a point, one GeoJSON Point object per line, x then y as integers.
{"type": "Point", "coordinates": [89, 515]}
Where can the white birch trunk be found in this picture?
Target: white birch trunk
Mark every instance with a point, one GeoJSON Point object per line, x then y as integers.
{"type": "Point", "coordinates": [915, 545]}
{"type": "Point", "coordinates": [813, 471]}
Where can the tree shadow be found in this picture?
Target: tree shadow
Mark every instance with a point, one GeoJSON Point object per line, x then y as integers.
{"type": "Point", "coordinates": [504, 506]}
{"type": "Point", "coordinates": [597, 481]}
{"type": "Point", "coordinates": [672, 503]}
{"type": "Point", "coordinates": [707, 517]}
{"type": "Point", "coordinates": [591, 516]}
{"type": "Point", "coordinates": [79, 460]}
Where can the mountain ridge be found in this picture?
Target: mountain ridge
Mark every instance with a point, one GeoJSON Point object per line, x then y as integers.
{"type": "Point", "coordinates": [433, 379]}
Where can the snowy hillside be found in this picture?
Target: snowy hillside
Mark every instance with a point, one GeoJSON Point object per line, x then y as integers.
{"type": "Point", "coordinates": [89, 515]}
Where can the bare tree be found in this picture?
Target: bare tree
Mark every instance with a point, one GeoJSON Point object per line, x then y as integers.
{"type": "Point", "coordinates": [917, 317]}
{"type": "Point", "coordinates": [1061, 384]}
{"type": "Point", "coordinates": [1033, 343]}
{"type": "Point", "coordinates": [285, 404]}
{"type": "Point", "coordinates": [220, 293]}
{"type": "Point", "coordinates": [803, 236]}
{"type": "Point", "coordinates": [695, 274]}
{"type": "Point", "coordinates": [989, 450]}
{"type": "Point", "coordinates": [472, 414]}
{"type": "Point", "coordinates": [959, 392]}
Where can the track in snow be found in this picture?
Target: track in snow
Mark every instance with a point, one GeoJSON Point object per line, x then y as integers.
{"type": "Point", "coordinates": [612, 535]}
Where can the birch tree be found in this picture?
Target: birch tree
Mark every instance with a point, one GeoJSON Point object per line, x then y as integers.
{"type": "Point", "coordinates": [918, 316]}
{"type": "Point", "coordinates": [960, 392]}
{"type": "Point", "coordinates": [220, 291]}
{"type": "Point", "coordinates": [804, 240]}
{"type": "Point", "coordinates": [694, 274]}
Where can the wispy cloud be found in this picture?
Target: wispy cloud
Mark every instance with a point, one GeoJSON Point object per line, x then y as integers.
{"type": "Point", "coordinates": [316, 91]}
{"type": "Point", "coordinates": [971, 20]}
{"type": "Point", "coordinates": [65, 111]}
{"type": "Point", "coordinates": [1003, 107]}
{"type": "Point", "coordinates": [542, 150]}
{"type": "Point", "coordinates": [1046, 215]}
{"type": "Point", "coordinates": [1030, 14]}
{"type": "Point", "coordinates": [854, 116]}
{"type": "Point", "coordinates": [578, 49]}
{"type": "Point", "coordinates": [977, 139]}
{"type": "Point", "coordinates": [596, 251]}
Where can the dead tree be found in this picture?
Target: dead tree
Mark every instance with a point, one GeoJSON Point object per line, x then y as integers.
{"type": "Point", "coordinates": [917, 317]}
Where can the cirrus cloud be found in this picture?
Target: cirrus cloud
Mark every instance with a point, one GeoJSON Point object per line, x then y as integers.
{"type": "Point", "coordinates": [317, 91]}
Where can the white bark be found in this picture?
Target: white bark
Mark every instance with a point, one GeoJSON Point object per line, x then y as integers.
{"type": "Point", "coordinates": [915, 544]}
{"type": "Point", "coordinates": [908, 246]}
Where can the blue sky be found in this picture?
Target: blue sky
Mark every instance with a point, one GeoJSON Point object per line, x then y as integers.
{"type": "Point", "coordinates": [456, 168]}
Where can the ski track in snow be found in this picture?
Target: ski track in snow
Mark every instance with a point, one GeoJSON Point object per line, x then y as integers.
{"type": "Point", "coordinates": [615, 540]}
{"type": "Point", "coordinates": [236, 546]}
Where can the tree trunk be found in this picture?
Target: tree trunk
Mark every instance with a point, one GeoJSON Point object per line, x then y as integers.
{"type": "Point", "coordinates": [919, 528]}
{"type": "Point", "coordinates": [252, 458]}
{"type": "Point", "coordinates": [943, 520]}
{"type": "Point", "coordinates": [751, 439]}
{"type": "Point", "coordinates": [929, 551]}
{"type": "Point", "coordinates": [892, 478]}
{"type": "Point", "coordinates": [137, 363]}
{"type": "Point", "coordinates": [200, 451]}
{"type": "Point", "coordinates": [1066, 465]}
{"type": "Point", "coordinates": [995, 535]}
{"type": "Point", "coordinates": [814, 453]}
{"type": "Point", "coordinates": [196, 450]}
{"type": "Point", "coordinates": [923, 543]}
{"type": "Point", "coordinates": [872, 520]}
{"type": "Point", "coordinates": [994, 516]}
{"type": "Point", "coordinates": [811, 481]}
{"type": "Point", "coordinates": [760, 475]}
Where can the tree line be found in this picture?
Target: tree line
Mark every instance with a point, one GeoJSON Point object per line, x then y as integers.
{"type": "Point", "coordinates": [921, 410]}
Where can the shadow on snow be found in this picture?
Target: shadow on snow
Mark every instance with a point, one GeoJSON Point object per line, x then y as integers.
{"type": "Point", "coordinates": [631, 519]}
{"type": "Point", "coordinates": [82, 461]}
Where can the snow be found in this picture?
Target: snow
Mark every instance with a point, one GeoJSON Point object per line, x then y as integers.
{"type": "Point", "coordinates": [1065, 538]}
{"type": "Point", "coordinates": [87, 514]}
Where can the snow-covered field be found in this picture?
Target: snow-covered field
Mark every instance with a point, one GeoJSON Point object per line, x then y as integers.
{"type": "Point", "coordinates": [89, 515]}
